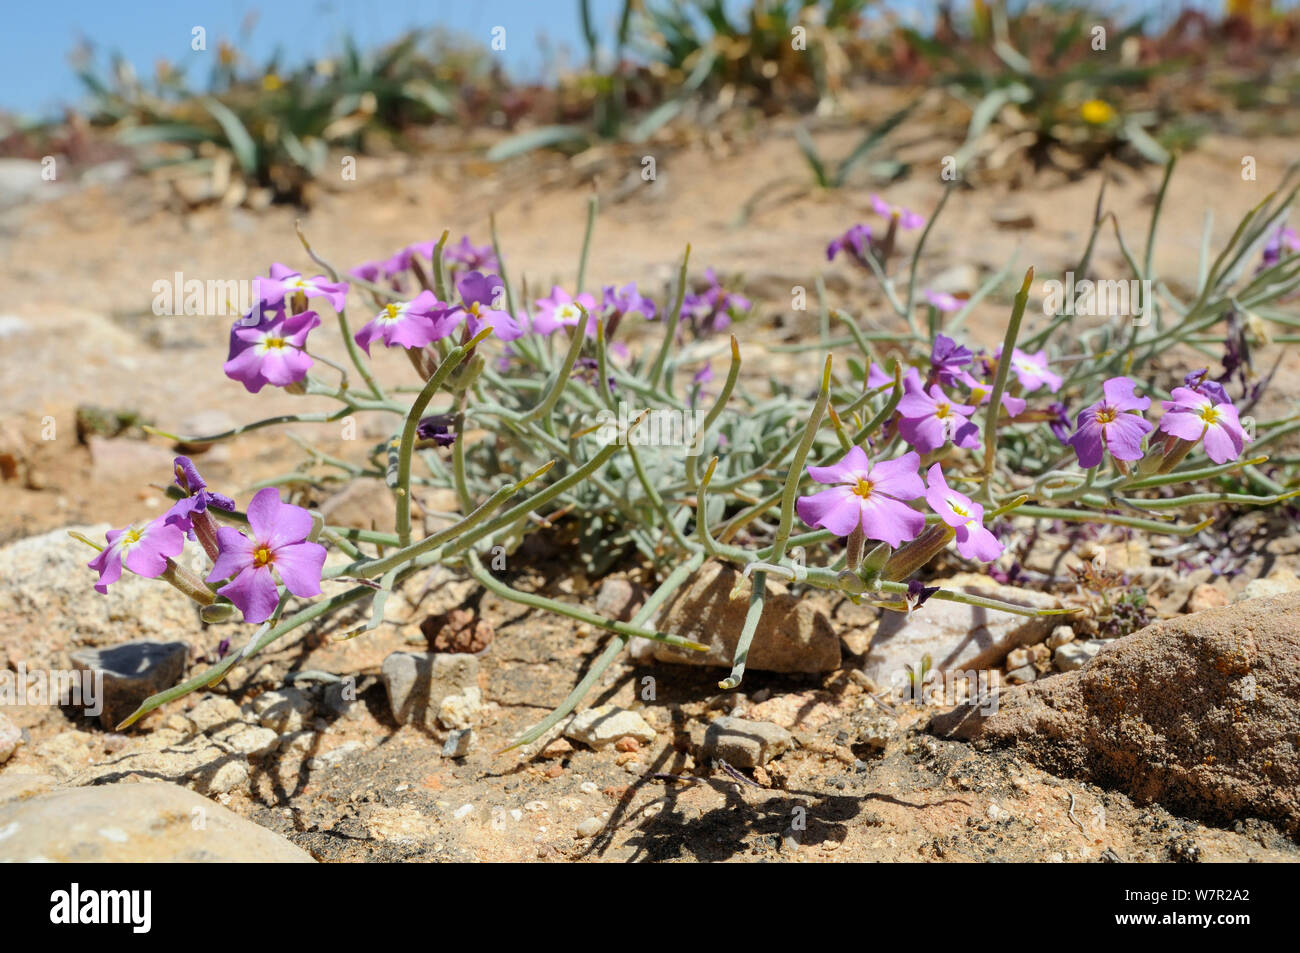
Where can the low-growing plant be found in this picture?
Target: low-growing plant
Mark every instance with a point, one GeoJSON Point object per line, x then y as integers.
{"type": "Point", "coordinates": [543, 414]}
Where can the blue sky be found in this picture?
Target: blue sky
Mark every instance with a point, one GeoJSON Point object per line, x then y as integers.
{"type": "Point", "coordinates": [36, 78]}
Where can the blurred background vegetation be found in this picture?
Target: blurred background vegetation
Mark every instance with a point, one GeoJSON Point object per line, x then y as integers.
{"type": "Point", "coordinates": [1009, 85]}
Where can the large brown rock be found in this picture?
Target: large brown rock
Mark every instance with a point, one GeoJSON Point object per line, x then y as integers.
{"type": "Point", "coordinates": [1200, 714]}
{"type": "Point", "coordinates": [792, 636]}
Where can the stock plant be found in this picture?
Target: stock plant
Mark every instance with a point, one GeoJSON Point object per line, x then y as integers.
{"type": "Point", "coordinates": [905, 444]}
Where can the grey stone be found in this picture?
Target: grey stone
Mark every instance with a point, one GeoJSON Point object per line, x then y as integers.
{"type": "Point", "coordinates": [618, 599]}
{"type": "Point", "coordinates": [1075, 655]}
{"type": "Point", "coordinates": [792, 635]}
{"type": "Point", "coordinates": [1060, 635]}
{"type": "Point", "coordinates": [458, 743]}
{"type": "Point", "coordinates": [284, 710]}
{"type": "Point", "coordinates": [956, 636]}
{"type": "Point", "coordinates": [743, 743]}
{"type": "Point", "coordinates": [605, 724]}
{"type": "Point", "coordinates": [133, 823]}
{"type": "Point", "coordinates": [214, 713]}
{"type": "Point", "coordinates": [417, 683]}
{"type": "Point", "coordinates": [1025, 673]}
{"type": "Point", "coordinates": [132, 672]}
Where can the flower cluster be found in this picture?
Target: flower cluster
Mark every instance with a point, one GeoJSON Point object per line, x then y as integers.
{"type": "Point", "coordinates": [1200, 411]}
{"type": "Point", "coordinates": [279, 542]}
{"type": "Point", "coordinates": [873, 499]}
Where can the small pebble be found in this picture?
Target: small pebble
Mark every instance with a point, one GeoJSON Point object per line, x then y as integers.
{"type": "Point", "coordinates": [590, 827]}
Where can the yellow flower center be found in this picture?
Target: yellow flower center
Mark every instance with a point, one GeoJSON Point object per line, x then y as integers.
{"type": "Point", "coordinates": [275, 343]}
{"type": "Point", "coordinates": [132, 536]}
{"type": "Point", "coordinates": [261, 556]}
{"type": "Point", "coordinates": [864, 488]}
{"type": "Point", "coordinates": [942, 411]}
{"type": "Point", "coordinates": [958, 508]}
{"type": "Point", "coordinates": [473, 309]}
{"type": "Point", "coordinates": [1097, 111]}
{"type": "Point", "coordinates": [392, 312]}
{"type": "Point", "coordinates": [1210, 414]}
{"type": "Point", "coordinates": [1105, 415]}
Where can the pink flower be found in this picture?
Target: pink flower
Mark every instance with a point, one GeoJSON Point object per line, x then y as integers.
{"type": "Point", "coordinates": [964, 515]}
{"type": "Point", "coordinates": [866, 495]}
{"type": "Point", "coordinates": [1192, 415]}
{"type": "Point", "coordinates": [412, 324]}
{"type": "Point", "coordinates": [287, 283]}
{"type": "Point", "coordinates": [273, 351]}
{"type": "Point", "coordinates": [944, 301]}
{"type": "Point", "coordinates": [1114, 423]}
{"type": "Point", "coordinates": [143, 548]}
{"type": "Point", "coordinates": [280, 531]}
{"type": "Point", "coordinates": [1032, 371]}
{"type": "Point", "coordinates": [906, 219]}
{"type": "Point", "coordinates": [480, 299]}
{"type": "Point", "coordinates": [561, 311]}
{"type": "Point", "coordinates": [930, 420]}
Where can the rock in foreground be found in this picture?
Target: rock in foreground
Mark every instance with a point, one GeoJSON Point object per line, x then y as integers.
{"type": "Point", "coordinates": [133, 823]}
{"type": "Point", "coordinates": [1199, 714]}
{"type": "Point", "coordinates": [792, 636]}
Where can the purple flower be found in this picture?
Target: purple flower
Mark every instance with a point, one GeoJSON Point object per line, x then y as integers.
{"type": "Point", "coordinates": [704, 375]}
{"type": "Point", "coordinates": [1192, 415]}
{"type": "Point", "coordinates": [866, 496]}
{"type": "Point", "coordinates": [1114, 423]}
{"type": "Point", "coordinates": [854, 242]}
{"type": "Point", "coordinates": [1283, 242]}
{"type": "Point", "coordinates": [143, 548]}
{"type": "Point", "coordinates": [1032, 371]}
{"type": "Point", "coordinates": [279, 534]}
{"type": "Point", "coordinates": [918, 594]}
{"type": "Point", "coordinates": [947, 357]}
{"type": "Point", "coordinates": [399, 263]}
{"type": "Point", "coordinates": [480, 299]}
{"type": "Point", "coordinates": [906, 219]}
{"type": "Point", "coordinates": [1200, 382]}
{"type": "Point", "coordinates": [877, 376]}
{"type": "Point", "coordinates": [285, 283]}
{"type": "Point", "coordinates": [271, 351]}
{"type": "Point", "coordinates": [367, 271]}
{"type": "Point", "coordinates": [562, 311]}
{"type": "Point", "coordinates": [964, 515]}
{"type": "Point", "coordinates": [944, 301]}
{"type": "Point", "coordinates": [436, 428]}
{"type": "Point", "coordinates": [618, 302]}
{"type": "Point", "coordinates": [712, 309]}
{"type": "Point", "coordinates": [411, 324]}
{"type": "Point", "coordinates": [473, 258]}
{"type": "Point", "coordinates": [197, 496]}
{"type": "Point", "coordinates": [982, 392]}
{"type": "Point", "coordinates": [1060, 423]}
{"type": "Point", "coordinates": [930, 420]}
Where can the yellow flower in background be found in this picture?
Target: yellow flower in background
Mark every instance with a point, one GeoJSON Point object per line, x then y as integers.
{"type": "Point", "coordinates": [1097, 112]}
{"type": "Point", "coordinates": [271, 82]}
